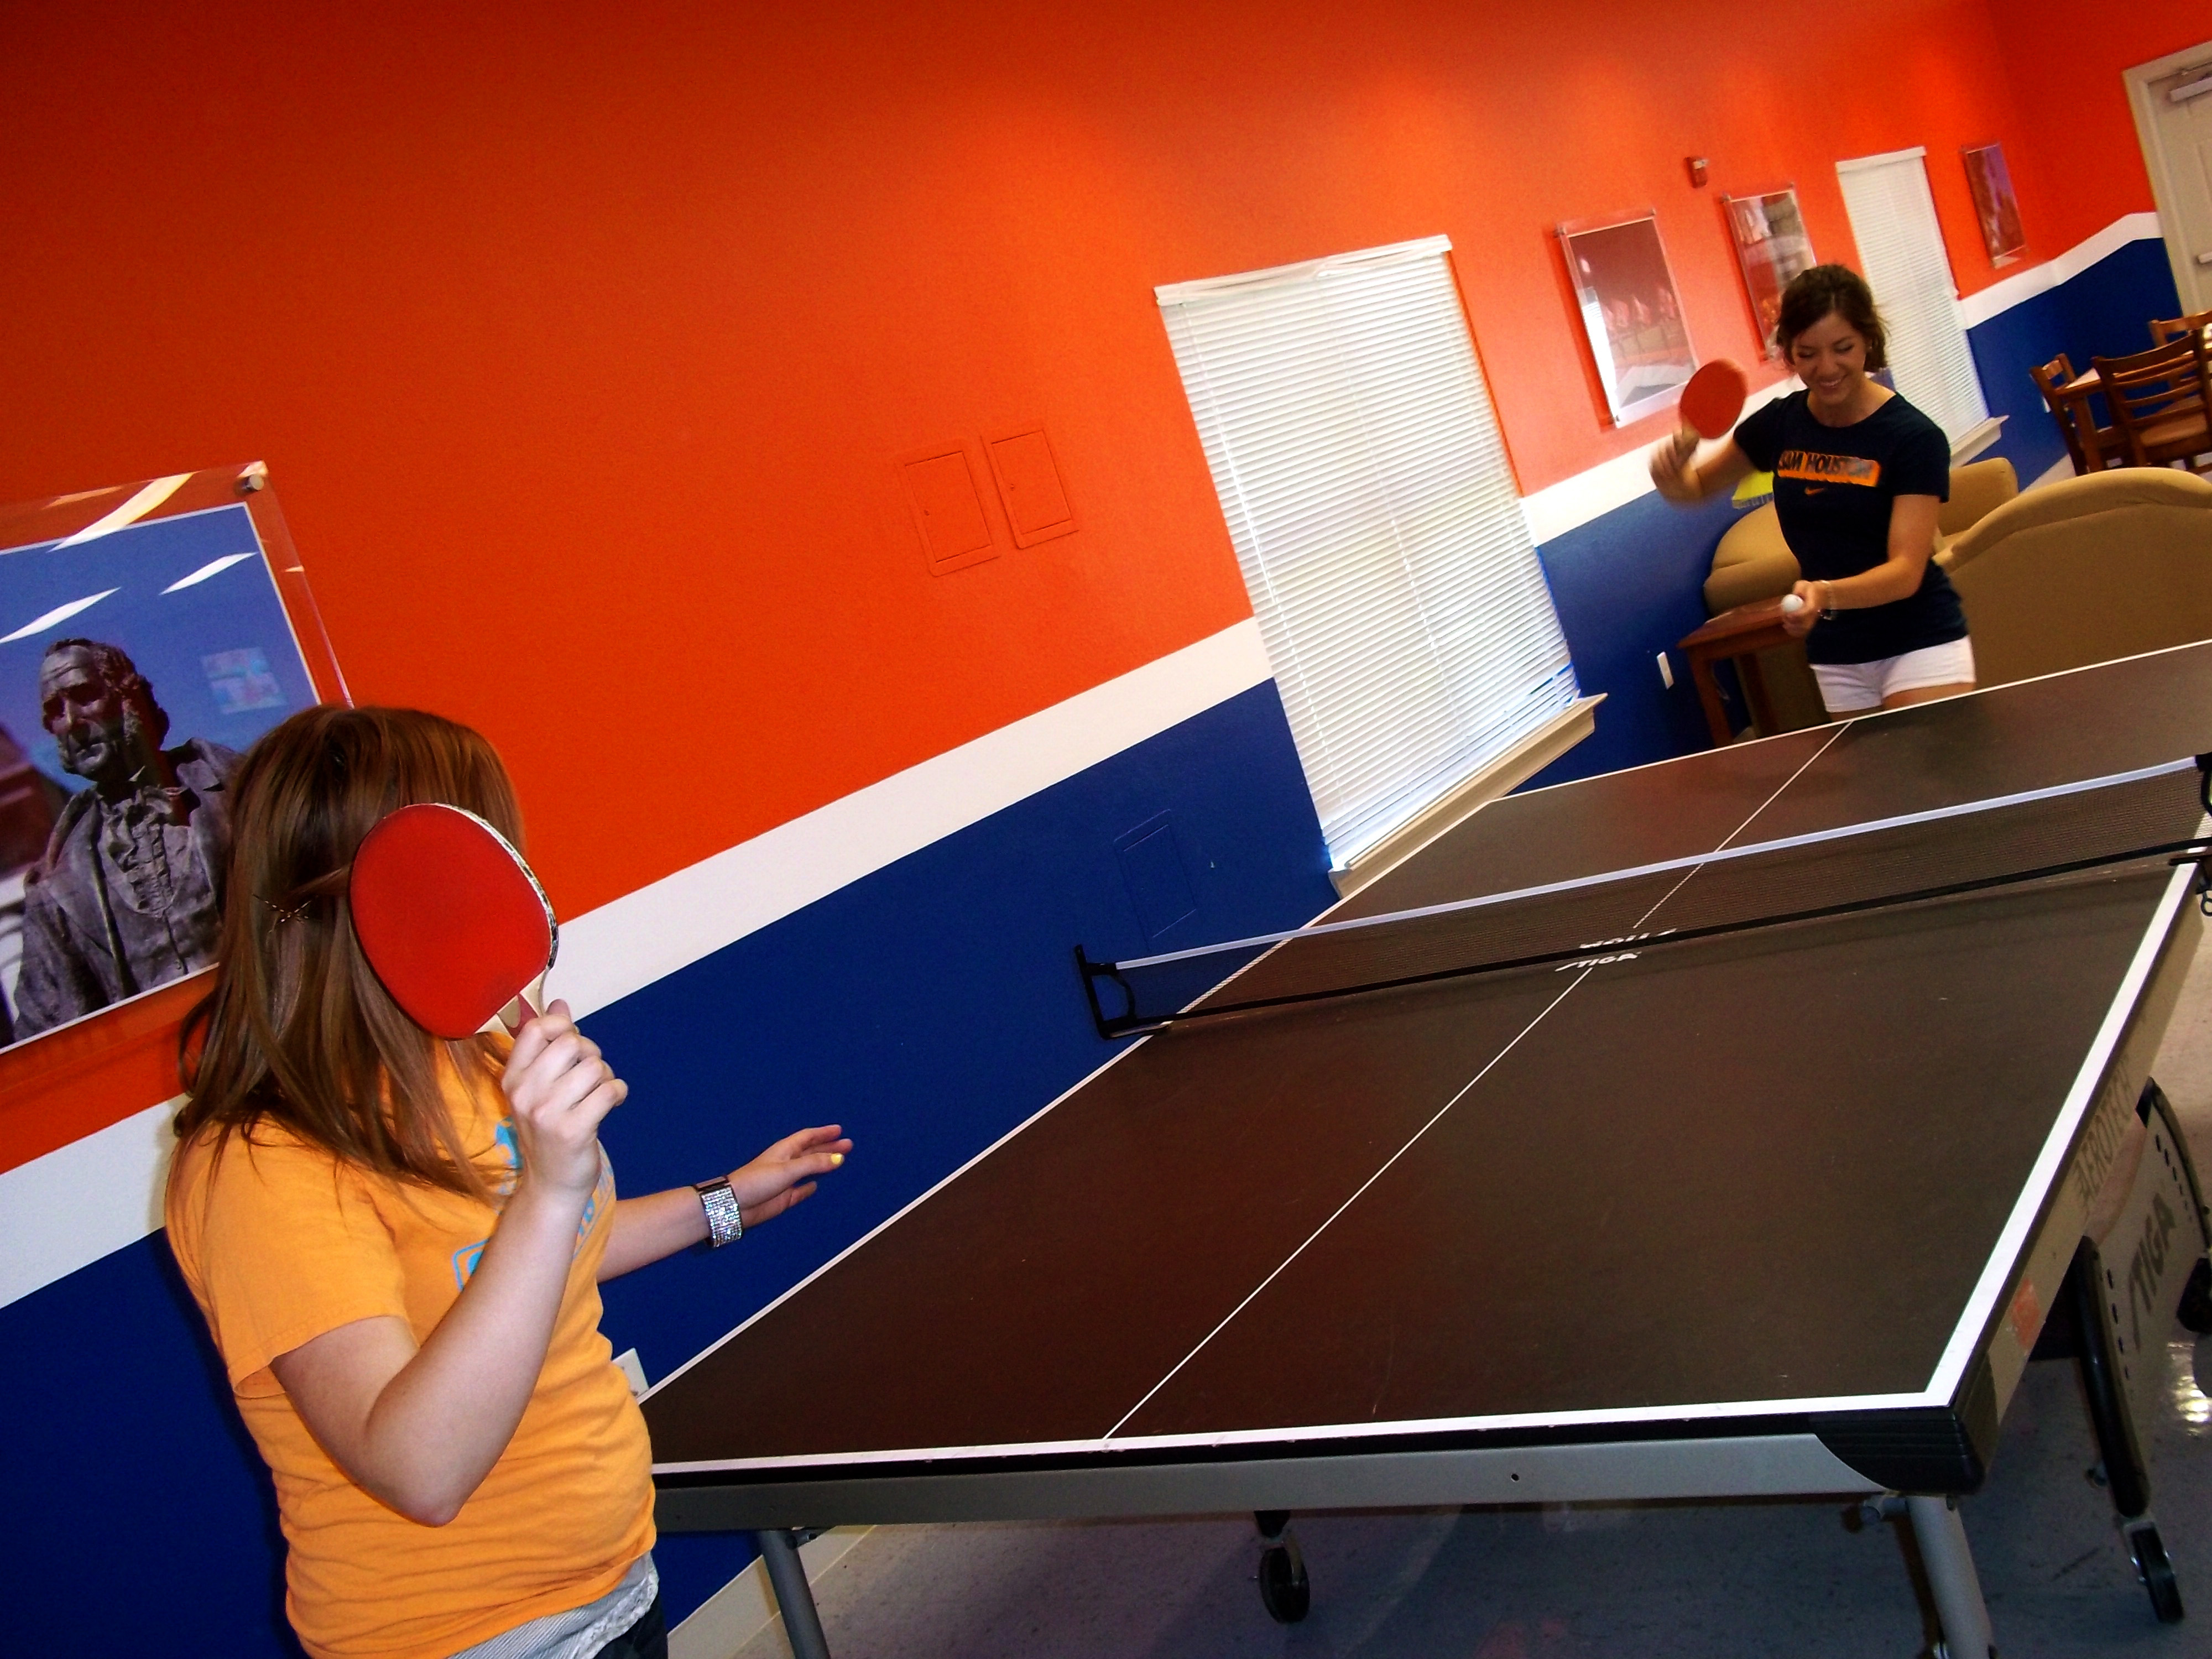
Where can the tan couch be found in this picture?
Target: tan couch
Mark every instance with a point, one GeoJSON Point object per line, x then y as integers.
{"type": "Point", "coordinates": [2085, 569]}
{"type": "Point", "coordinates": [1754, 562]}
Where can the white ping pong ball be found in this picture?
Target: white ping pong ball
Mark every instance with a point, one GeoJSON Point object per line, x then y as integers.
{"type": "Point", "coordinates": [1791, 605]}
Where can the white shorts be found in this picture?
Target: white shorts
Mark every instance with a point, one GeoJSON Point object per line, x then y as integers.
{"type": "Point", "coordinates": [1854, 688]}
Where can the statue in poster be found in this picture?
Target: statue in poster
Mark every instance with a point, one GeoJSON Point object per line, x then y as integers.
{"type": "Point", "coordinates": [128, 894]}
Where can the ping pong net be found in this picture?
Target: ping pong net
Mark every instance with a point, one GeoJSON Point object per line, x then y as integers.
{"type": "Point", "coordinates": [2075, 831]}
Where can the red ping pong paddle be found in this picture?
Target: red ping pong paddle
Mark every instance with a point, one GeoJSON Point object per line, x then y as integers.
{"type": "Point", "coordinates": [452, 919]}
{"type": "Point", "coordinates": [1711, 399]}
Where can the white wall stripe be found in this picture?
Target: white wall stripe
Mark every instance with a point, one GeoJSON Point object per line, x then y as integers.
{"type": "Point", "coordinates": [621, 947]}
{"type": "Point", "coordinates": [722, 1625]}
{"type": "Point", "coordinates": [77, 1204]}
{"type": "Point", "coordinates": [68, 1208]}
{"type": "Point", "coordinates": [2025, 285]}
{"type": "Point", "coordinates": [1572, 502]}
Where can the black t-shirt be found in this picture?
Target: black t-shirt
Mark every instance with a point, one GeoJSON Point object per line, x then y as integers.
{"type": "Point", "coordinates": [1833, 486]}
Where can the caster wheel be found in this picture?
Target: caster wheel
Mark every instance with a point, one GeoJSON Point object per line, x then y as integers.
{"type": "Point", "coordinates": [2196, 1309]}
{"type": "Point", "coordinates": [2156, 1573]}
{"type": "Point", "coordinates": [1286, 1589]}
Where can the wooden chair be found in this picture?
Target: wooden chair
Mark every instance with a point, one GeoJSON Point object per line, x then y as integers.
{"type": "Point", "coordinates": [2159, 401]}
{"type": "Point", "coordinates": [2178, 328]}
{"type": "Point", "coordinates": [2093, 447]}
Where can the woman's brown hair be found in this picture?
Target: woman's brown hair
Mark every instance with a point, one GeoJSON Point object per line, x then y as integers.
{"type": "Point", "coordinates": [298, 1031]}
{"type": "Point", "coordinates": [1814, 293]}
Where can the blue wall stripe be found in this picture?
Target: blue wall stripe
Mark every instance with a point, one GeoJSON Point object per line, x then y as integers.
{"type": "Point", "coordinates": [141, 1519]}
{"type": "Point", "coordinates": [929, 1007]}
{"type": "Point", "coordinates": [1627, 586]}
{"type": "Point", "coordinates": [934, 1005]}
{"type": "Point", "coordinates": [1630, 584]}
{"type": "Point", "coordinates": [2102, 312]}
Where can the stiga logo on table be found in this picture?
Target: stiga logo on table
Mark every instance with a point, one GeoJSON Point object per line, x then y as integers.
{"type": "Point", "coordinates": [2147, 1266]}
{"type": "Point", "coordinates": [1811, 466]}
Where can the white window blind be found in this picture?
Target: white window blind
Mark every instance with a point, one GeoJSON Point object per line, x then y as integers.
{"type": "Point", "coordinates": [1901, 247]}
{"type": "Point", "coordinates": [1367, 492]}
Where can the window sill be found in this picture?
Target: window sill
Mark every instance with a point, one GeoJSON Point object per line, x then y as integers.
{"type": "Point", "coordinates": [1501, 775]}
{"type": "Point", "coordinates": [1976, 438]}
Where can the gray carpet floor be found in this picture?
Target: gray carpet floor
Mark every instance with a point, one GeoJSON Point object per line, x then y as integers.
{"type": "Point", "coordinates": [1652, 1581]}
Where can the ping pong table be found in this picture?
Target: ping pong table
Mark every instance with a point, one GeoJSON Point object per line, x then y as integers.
{"type": "Point", "coordinates": [1823, 1189]}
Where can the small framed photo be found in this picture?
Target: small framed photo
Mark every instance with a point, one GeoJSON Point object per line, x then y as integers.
{"type": "Point", "coordinates": [1770, 247]}
{"type": "Point", "coordinates": [1995, 205]}
{"type": "Point", "coordinates": [1630, 312]}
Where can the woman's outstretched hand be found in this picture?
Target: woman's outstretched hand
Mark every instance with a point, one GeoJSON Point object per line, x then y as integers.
{"type": "Point", "coordinates": [785, 1174]}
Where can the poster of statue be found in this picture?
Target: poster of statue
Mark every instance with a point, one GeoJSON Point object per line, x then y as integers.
{"type": "Point", "coordinates": [1990, 181]}
{"type": "Point", "coordinates": [140, 654]}
{"type": "Point", "coordinates": [1630, 313]}
{"type": "Point", "coordinates": [1772, 247]}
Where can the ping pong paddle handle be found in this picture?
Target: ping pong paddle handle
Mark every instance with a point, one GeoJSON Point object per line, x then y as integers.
{"type": "Point", "coordinates": [529, 1002]}
{"type": "Point", "coordinates": [1686, 444]}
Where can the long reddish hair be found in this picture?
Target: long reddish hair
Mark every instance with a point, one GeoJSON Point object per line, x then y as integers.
{"type": "Point", "coordinates": [298, 1031]}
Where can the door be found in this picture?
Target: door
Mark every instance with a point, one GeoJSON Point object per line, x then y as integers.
{"type": "Point", "coordinates": [2172, 101]}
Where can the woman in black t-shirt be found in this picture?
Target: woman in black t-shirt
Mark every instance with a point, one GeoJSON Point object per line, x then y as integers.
{"type": "Point", "coordinates": [1858, 474]}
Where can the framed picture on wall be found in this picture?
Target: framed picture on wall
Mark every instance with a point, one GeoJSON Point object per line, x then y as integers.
{"type": "Point", "coordinates": [1630, 312]}
{"type": "Point", "coordinates": [149, 633]}
{"type": "Point", "coordinates": [1770, 247]}
{"type": "Point", "coordinates": [1990, 180]}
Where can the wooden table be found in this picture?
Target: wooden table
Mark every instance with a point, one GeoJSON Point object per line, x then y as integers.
{"type": "Point", "coordinates": [1740, 635]}
{"type": "Point", "coordinates": [2074, 397]}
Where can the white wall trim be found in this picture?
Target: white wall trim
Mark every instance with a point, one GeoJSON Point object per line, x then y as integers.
{"type": "Point", "coordinates": [728, 1620]}
{"type": "Point", "coordinates": [2022, 286]}
{"type": "Point", "coordinates": [1573, 502]}
{"type": "Point", "coordinates": [645, 935]}
{"type": "Point", "coordinates": [83, 1201]}
{"type": "Point", "coordinates": [68, 1208]}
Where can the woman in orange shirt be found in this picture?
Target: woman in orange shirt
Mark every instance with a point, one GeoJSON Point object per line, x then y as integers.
{"type": "Point", "coordinates": [397, 1243]}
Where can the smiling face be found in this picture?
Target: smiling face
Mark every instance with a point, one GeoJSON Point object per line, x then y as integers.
{"type": "Point", "coordinates": [1831, 358]}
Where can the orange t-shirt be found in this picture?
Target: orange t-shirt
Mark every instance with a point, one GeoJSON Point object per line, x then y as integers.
{"type": "Point", "coordinates": [280, 1243]}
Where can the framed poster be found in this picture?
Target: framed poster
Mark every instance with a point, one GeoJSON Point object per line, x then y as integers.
{"type": "Point", "coordinates": [149, 633]}
{"type": "Point", "coordinates": [1630, 312]}
{"type": "Point", "coordinates": [1990, 180]}
{"type": "Point", "coordinates": [1770, 247]}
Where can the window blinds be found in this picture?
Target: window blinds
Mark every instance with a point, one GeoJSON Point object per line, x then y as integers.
{"type": "Point", "coordinates": [1367, 492]}
{"type": "Point", "coordinates": [1901, 247]}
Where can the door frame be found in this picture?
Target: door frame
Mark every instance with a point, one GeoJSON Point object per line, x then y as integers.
{"type": "Point", "coordinates": [2194, 284]}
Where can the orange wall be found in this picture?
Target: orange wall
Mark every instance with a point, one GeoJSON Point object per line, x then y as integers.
{"type": "Point", "coordinates": [580, 337]}
{"type": "Point", "coordinates": [2086, 158]}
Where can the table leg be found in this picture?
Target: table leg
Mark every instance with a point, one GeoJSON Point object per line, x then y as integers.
{"type": "Point", "coordinates": [786, 1573]}
{"type": "Point", "coordinates": [1958, 1590]}
{"type": "Point", "coordinates": [1709, 695]}
{"type": "Point", "coordinates": [1753, 678]}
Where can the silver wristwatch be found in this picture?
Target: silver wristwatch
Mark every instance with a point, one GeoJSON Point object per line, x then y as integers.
{"type": "Point", "coordinates": [725, 1223]}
